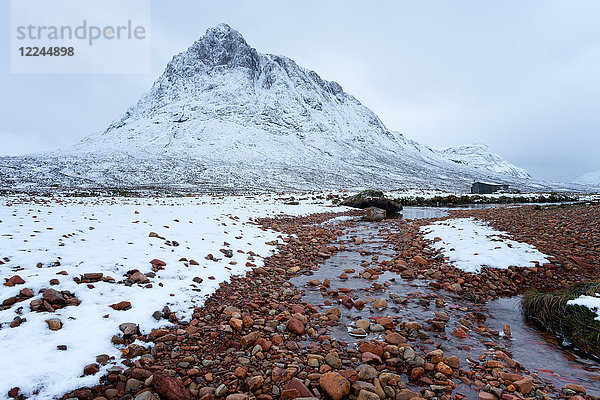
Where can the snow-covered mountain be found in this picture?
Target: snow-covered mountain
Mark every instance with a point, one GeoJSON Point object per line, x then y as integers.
{"type": "Point", "coordinates": [224, 116]}
{"type": "Point", "coordinates": [590, 178]}
{"type": "Point", "coordinates": [479, 156]}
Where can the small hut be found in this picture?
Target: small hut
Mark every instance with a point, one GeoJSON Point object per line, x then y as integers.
{"type": "Point", "coordinates": [487, 187]}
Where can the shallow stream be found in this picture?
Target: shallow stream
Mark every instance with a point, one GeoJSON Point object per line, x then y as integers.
{"type": "Point", "coordinates": [415, 300]}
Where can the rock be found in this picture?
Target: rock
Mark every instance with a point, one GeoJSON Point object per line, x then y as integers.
{"type": "Point", "coordinates": [122, 305]}
{"type": "Point", "coordinates": [93, 276]}
{"type": "Point", "coordinates": [363, 324]}
{"type": "Point", "coordinates": [333, 360]}
{"type": "Point", "coordinates": [380, 304]}
{"type": "Point", "coordinates": [91, 369]}
{"type": "Point", "coordinates": [15, 280]}
{"type": "Point", "coordinates": [255, 382]}
{"type": "Point", "coordinates": [524, 385]}
{"type": "Point", "coordinates": [374, 214]}
{"type": "Point", "coordinates": [221, 390]}
{"type": "Point", "coordinates": [54, 324]}
{"type": "Point", "coordinates": [335, 385]}
{"type": "Point", "coordinates": [290, 394]}
{"type": "Point", "coordinates": [576, 388]}
{"type": "Point", "coordinates": [406, 394]}
{"type": "Point", "coordinates": [395, 338]}
{"type": "Point", "coordinates": [249, 339]}
{"type": "Point", "coordinates": [138, 277]}
{"type": "Point", "coordinates": [147, 395]}
{"type": "Point", "coordinates": [299, 386]}
{"type": "Point", "coordinates": [237, 396]}
{"type": "Point", "coordinates": [366, 395]}
{"type": "Point", "coordinates": [296, 326]}
{"type": "Point", "coordinates": [366, 372]}
{"type": "Point", "coordinates": [133, 385]}
{"type": "Point", "coordinates": [460, 333]}
{"type": "Point", "coordinates": [370, 357]}
{"type": "Point", "coordinates": [372, 198]}
{"type": "Point", "coordinates": [443, 368]}
{"type": "Point", "coordinates": [236, 324]}
{"type": "Point", "coordinates": [53, 297]}
{"type": "Point", "coordinates": [486, 396]}
{"type": "Point", "coordinates": [169, 388]}
{"type": "Point", "coordinates": [129, 328]}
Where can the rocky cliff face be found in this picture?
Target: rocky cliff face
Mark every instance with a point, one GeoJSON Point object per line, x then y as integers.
{"type": "Point", "coordinates": [223, 115]}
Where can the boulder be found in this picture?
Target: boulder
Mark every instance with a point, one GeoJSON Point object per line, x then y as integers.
{"type": "Point", "coordinates": [372, 198]}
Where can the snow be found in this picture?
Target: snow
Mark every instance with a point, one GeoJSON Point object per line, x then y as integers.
{"type": "Point", "coordinates": [590, 178]}
{"type": "Point", "coordinates": [591, 302]}
{"type": "Point", "coordinates": [107, 235]}
{"type": "Point", "coordinates": [471, 244]}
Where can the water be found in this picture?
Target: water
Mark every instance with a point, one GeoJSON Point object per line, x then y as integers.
{"type": "Point", "coordinates": [415, 300]}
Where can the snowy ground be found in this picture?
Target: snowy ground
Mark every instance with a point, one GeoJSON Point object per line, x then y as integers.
{"type": "Point", "coordinates": [471, 244]}
{"type": "Point", "coordinates": [591, 302]}
{"type": "Point", "coordinates": [111, 236]}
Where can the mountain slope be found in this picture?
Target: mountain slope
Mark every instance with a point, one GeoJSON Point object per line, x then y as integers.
{"type": "Point", "coordinates": [479, 156]}
{"type": "Point", "coordinates": [223, 116]}
{"type": "Point", "coordinates": [590, 178]}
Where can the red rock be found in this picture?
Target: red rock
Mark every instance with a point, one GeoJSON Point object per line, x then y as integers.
{"type": "Point", "coordinates": [406, 394]}
{"type": "Point", "coordinates": [14, 392]}
{"type": "Point", "coordinates": [576, 388]}
{"type": "Point", "coordinates": [277, 339]}
{"type": "Point", "coordinates": [335, 385]}
{"type": "Point", "coordinates": [289, 394]}
{"type": "Point", "coordinates": [368, 347]}
{"type": "Point", "coordinates": [122, 305]}
{"type": "Point", "coordinates": [460, 333]}
{"type": "Point", "coordinates": [349, 374]}
{"type": "Point", "coordinates": [420, 260]}
{"type": "Point", "coordinates": [395, 338]}
{"type": "Point", "coordinates": [26, 292]}
{"type": "Point", "coordinates": [524, 385]}
{"type": "Point", "coordinates": [15, 280]}
{"type": "Point", "coordinates": [299, 386]}
{"type": "Point", "coordinates": [370, 357]}
{"type": "Point", "coordinates": [53, 297]}
{"type": "Point", "coordinates": [236, 323]}
{"type": "Point", "coordinates": [157, 262]}
{"type": "Point", "coordinates": [486, 396]}
{"type": "Point", "coordinates": [91, 369]}
{"type": "Point", "coordinates": [443, 368]}
{"type": "Point", "coordinates": [249, 339]}
{"type": "Point", "coordinates": [296, 326]}
{"type": "Point", "coordinates": [170, 388]}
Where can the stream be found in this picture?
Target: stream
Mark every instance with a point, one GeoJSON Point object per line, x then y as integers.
{"type": "Point", "coordinates": [415, 300]}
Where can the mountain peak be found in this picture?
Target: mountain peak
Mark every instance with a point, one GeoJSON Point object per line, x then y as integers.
{"type": "Point", "coordinates": [223, 46]}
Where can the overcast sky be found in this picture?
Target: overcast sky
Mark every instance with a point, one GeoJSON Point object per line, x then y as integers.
{"type": "Point", "coordinates": [520, 76]}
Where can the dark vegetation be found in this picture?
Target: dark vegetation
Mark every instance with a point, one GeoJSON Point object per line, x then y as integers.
{"type": "Point", "coordinates": [452, 200]}
{"type": "Point", "coordinates": [576, 324]}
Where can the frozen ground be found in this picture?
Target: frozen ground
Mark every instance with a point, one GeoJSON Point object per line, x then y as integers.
{"type": "Point", "coordinates": [591, 302]}
{"type": "Point", "coordinates": [470, 244]}
{"type": "Point", "coordinates": [112, 237]}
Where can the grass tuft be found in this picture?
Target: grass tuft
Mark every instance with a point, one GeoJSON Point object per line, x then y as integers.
{"type": "Point", "coordinates": [574, 323]}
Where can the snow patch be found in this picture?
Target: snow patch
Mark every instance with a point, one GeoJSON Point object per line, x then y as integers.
{"type": "Point", "coordinates": [591, 302]}
{"type": "Point", "coordinates": [111, 236]}
{"type": "Point", "coordinates": [471, 244]}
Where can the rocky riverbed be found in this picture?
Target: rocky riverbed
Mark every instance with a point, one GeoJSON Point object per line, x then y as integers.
{"type": "Point", "coordinates": [349, 309]}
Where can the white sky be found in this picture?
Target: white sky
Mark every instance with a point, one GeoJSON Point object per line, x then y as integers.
{"type": "Point", "coordinates": [520, 76]}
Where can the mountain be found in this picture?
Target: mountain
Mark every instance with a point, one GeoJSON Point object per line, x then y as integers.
{"type": "Point", "coordinates": [590, 178]}
{"type": "Point", "coordinates": [479, 156]}
{"type": "Point", "coordinates": [224, 116]}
